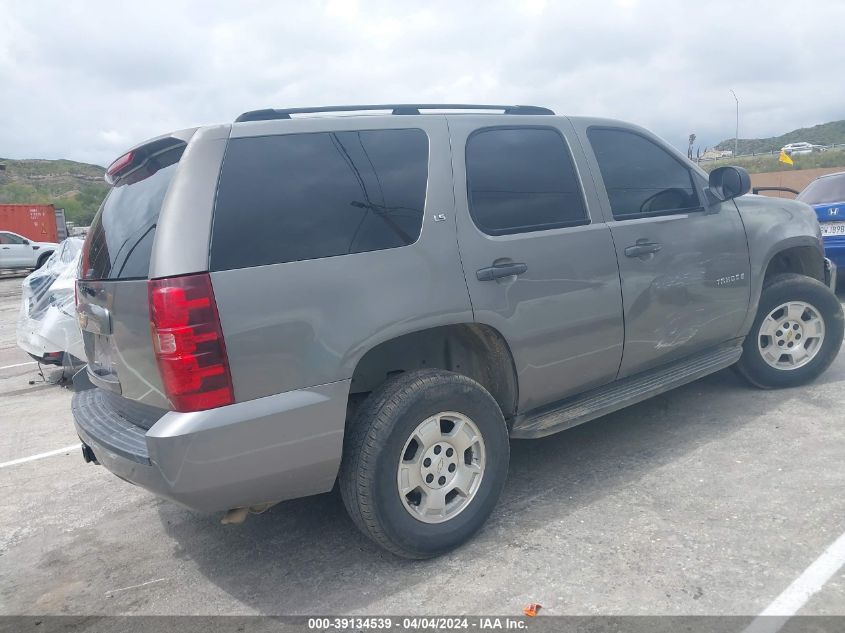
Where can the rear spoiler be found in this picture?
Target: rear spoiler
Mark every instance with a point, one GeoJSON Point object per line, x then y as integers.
{"type": "Point", "coordinates": [147, 158]}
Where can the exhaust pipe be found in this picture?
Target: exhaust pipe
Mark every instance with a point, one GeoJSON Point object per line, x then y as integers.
{"type": "Point", "coordinates": [236, 516]}
{"type": "Point", "coordinates": [88, 455]}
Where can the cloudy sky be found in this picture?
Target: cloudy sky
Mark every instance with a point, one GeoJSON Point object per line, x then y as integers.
{"type": "Point", "coordinates": [85, 80]}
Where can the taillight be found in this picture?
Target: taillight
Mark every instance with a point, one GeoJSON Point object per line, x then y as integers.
{"type": "Point", "coordinates": [188, 343]}
{"type": "Point", "coordinates": [119, 165]}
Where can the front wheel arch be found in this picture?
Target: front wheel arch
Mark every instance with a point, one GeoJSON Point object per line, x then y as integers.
{"type": "Point", "coordinates": [804, 260]}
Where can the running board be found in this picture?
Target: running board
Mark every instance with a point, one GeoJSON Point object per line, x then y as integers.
{"type": "Point", "coordinates": [621, 393]}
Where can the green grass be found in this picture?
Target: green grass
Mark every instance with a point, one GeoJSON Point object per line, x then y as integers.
{"type": "Point", "coordinates": [767, 163]}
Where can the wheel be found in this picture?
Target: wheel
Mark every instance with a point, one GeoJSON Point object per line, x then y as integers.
{"type": "Point", "coordinates": [425, 459]}
{"type": "Point", "coordinates": [42, 260]}
{"type": "Point", "coordinates": [796, 335]}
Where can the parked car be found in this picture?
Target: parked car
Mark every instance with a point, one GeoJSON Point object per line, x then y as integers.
{"type": "Point", "coordinates": [17, 251]}
{"type": "Point", "coordinates": [47, 326]}
{"type": "Point", "coordinates": [794, 149]}
{"type": "Point", "coordinates": [383, 301]}
{"type": "Point", "coordinates": [826, 194]}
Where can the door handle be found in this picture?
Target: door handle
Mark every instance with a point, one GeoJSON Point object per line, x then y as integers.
{"type": "Point", "coordinates": [642, 247]}
{"type": "Point", "coordinates": [500, 270]}
{"type": "Point", "coordinates": [5, 248]}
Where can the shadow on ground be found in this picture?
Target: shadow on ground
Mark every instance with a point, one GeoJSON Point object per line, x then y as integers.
{"type": "Point", "coordinates": [302, 556]}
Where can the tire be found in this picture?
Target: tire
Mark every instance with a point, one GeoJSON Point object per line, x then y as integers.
{"type": "Point", "coordinates": [822, 304]}
{"type": "Point", "coordinates": [382, 440]}
{"type": "Point", "coordinates": [42, 260]}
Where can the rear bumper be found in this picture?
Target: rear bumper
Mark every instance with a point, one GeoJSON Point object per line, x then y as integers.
{"type": "Point", "coordinates": [265, 450]}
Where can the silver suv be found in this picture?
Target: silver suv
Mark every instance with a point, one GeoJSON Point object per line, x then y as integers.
{"type": "Point", "coordinates": [276, 305]}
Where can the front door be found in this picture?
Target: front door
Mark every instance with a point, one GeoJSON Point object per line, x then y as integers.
{"type": "Point", "coordinates": [538, 257]}
{"type": "Point", "coordinates": [683, 262]}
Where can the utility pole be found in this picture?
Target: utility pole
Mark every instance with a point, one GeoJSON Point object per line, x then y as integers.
{"type": "Point", "coordinates": [736, 137]}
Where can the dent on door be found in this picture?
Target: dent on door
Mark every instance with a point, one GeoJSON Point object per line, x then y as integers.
{"type": "Point", "coordinates": [689, 293]}
{"type": "Point", "coordinates": [683, 261]}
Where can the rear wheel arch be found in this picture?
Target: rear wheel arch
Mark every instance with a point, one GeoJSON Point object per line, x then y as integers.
{"type": "Point", "coordinates": [477, 351]}
{"type": "Point", "coordinates": [414, 485]}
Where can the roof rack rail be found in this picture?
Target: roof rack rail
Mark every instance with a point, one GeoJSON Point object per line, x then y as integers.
{"type": "Point", "coordinates": [395, 108]}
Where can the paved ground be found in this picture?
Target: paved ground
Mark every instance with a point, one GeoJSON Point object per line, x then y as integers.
{"type": "Point", "coordinates": [711, 499]}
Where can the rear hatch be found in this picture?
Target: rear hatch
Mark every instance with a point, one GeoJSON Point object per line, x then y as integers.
{"type": "Point", "coordinates": [112, 290]}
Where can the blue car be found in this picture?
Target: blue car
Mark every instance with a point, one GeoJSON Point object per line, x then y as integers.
{"type": "Point", "coordinates": [826, 194]}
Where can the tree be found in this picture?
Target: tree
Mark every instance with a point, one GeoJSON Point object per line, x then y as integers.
{"type": "Point", "coordinates": [691, 141]}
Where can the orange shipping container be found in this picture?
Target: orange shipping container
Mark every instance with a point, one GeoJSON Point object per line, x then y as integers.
{"type": "Point", "coordinates": [36, 222]}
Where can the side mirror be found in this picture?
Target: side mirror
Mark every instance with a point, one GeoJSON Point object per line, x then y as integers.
{"type": "Point", "coordinates": [729, 182]}
{"type": "Point", "coordinates": [26, 242]}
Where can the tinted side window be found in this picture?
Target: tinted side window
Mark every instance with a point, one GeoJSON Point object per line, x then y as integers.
{"type": "Point", "coordinates": [641, 177]}
{"type": "Point", "coordinates": [522, 179]}
{"type": "Point", "coordinates": [304, 196]}
{"type": "Point", "coordinates": [8, 238]}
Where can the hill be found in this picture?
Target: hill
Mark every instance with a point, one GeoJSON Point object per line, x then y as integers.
{"type": "Point", "coordinates": [822, 134]}
{"type": "Point", "coordinates": [78, 188]}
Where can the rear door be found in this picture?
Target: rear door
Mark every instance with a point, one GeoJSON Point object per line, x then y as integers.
{"type": "Point", "coordinates": [537, 255]}
{"type": "Point", "coordinates": [684, 264]}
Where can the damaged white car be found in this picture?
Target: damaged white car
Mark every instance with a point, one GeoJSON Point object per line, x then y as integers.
{"type": "Point", "coordinates": [47, 327]}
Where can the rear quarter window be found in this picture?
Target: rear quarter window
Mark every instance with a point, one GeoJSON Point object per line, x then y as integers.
{"type": "Point", "coordinates": [305, 196]}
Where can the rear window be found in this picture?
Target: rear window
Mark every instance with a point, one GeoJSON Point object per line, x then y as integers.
{"type": "Point", "coordinates": [120, 241]}
{"type": "Point", "coordinates": [305, 196]}
{"type": "Point", "coordinates": [824, 190]}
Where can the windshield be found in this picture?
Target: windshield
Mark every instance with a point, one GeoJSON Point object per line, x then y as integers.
{"type": "Point", "coordinates": [824, 190]}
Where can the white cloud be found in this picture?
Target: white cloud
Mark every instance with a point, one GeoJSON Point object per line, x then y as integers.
{"type": "Point", "coordinates": [87, 80]}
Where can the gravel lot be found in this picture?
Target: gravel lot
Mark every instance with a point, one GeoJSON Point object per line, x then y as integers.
{"type": "Point", "coordinates": [711, 499]}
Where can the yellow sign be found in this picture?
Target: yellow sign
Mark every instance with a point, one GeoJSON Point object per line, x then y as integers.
{"type": "Point", "coordinates": [784, 158]}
